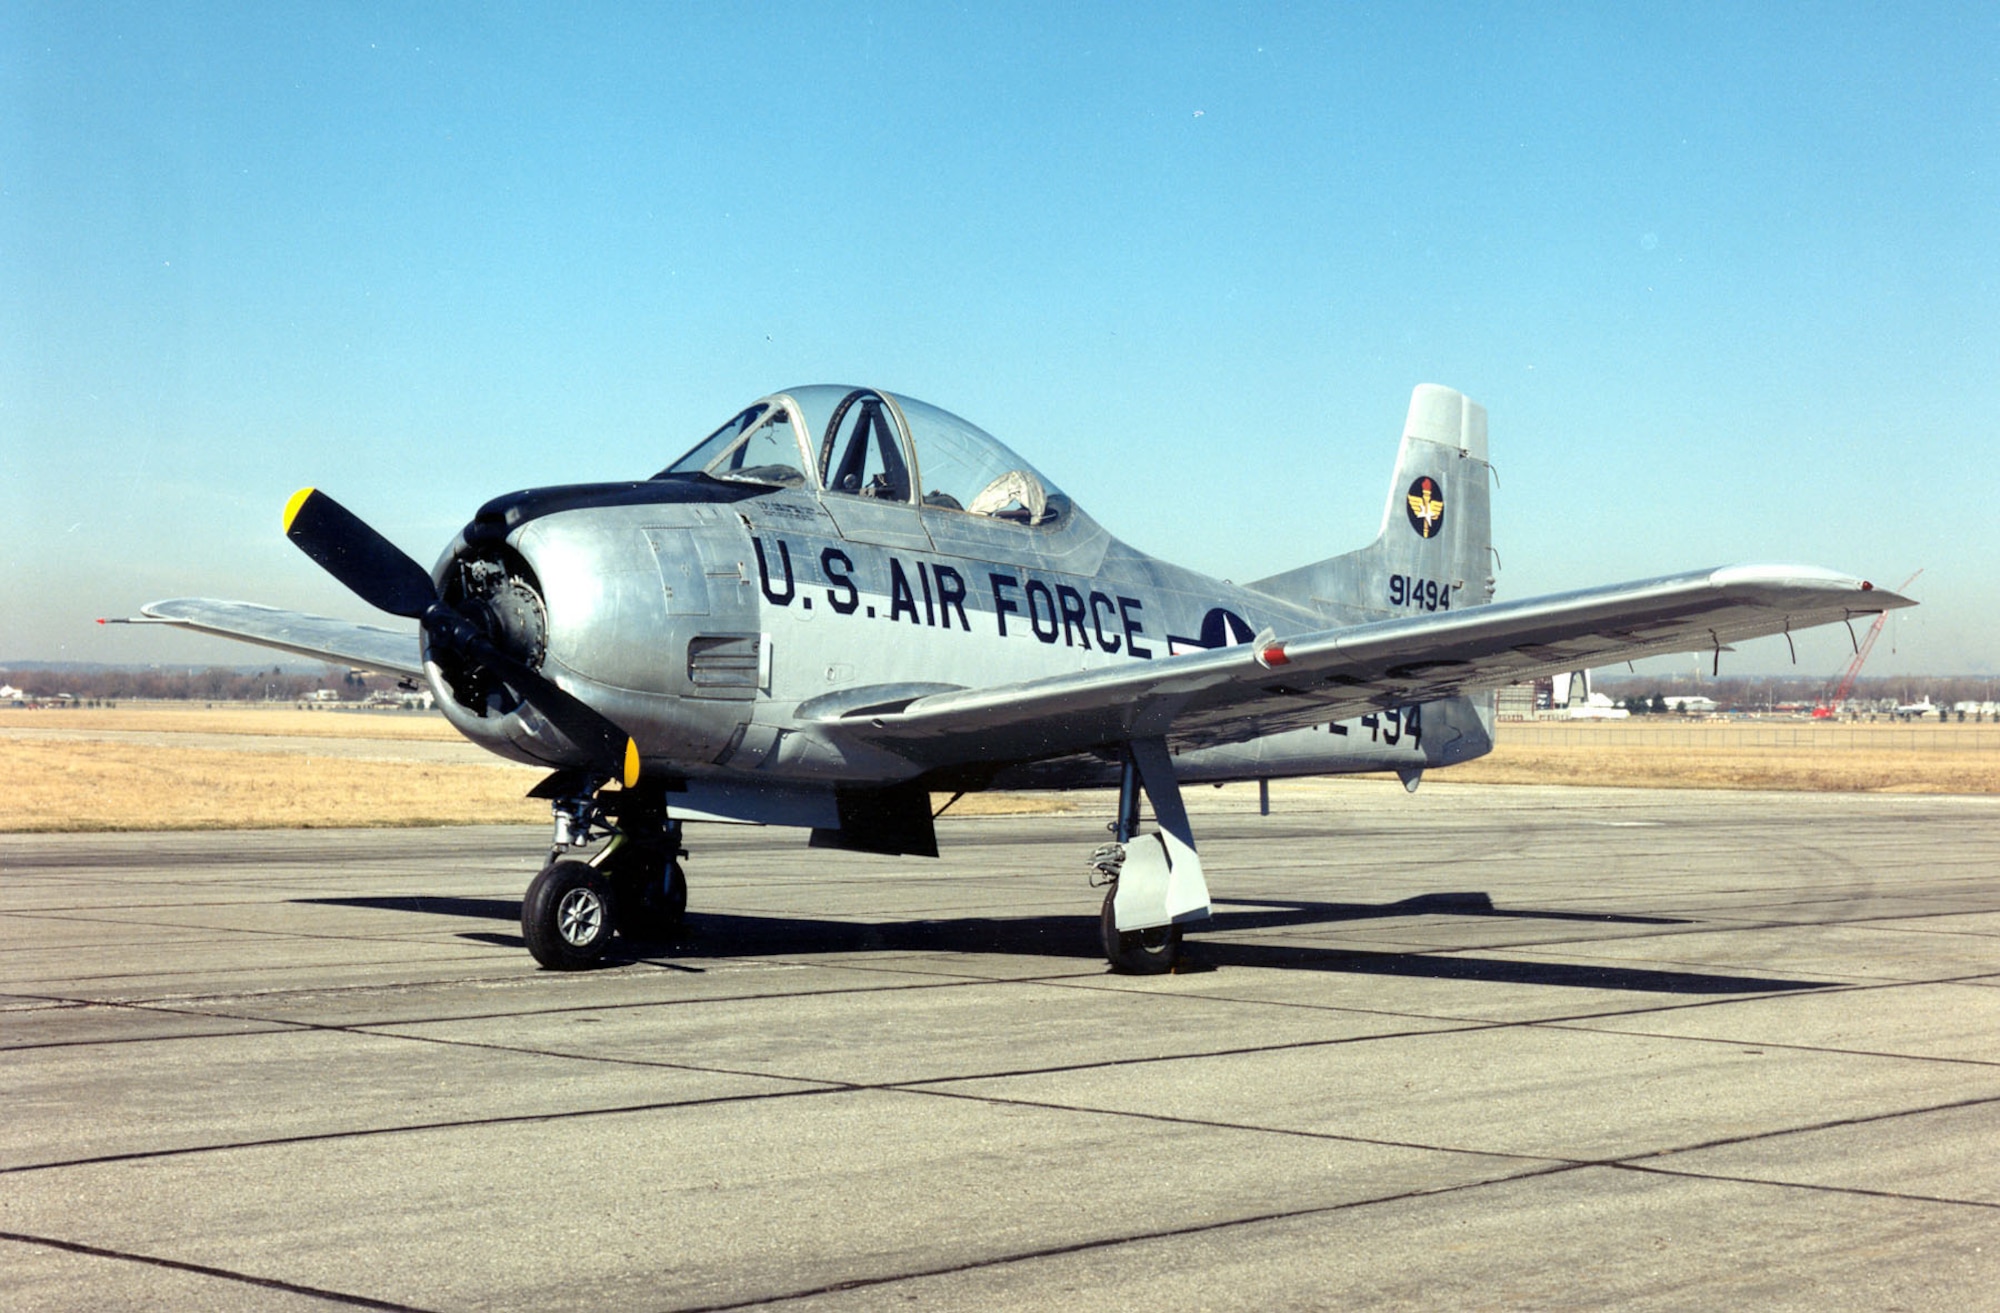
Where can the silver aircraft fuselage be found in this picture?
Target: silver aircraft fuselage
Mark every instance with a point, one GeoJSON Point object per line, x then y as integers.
{"type": "Point", "coordinates": [719, 624]}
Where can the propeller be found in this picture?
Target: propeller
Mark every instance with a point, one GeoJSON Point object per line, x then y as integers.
{"type": "Point", "coordinates": [384, 576]}
{"type": "Point", "coordinates": [373, 568]}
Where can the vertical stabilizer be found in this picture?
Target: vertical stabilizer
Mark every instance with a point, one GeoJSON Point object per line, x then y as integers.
{"type": "Point", "coordinates": [1434, 550]}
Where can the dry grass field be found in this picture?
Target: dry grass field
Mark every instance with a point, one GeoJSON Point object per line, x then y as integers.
{"type": "Point", "coordinates": [173, 767]}
{"type": "Point", "coordinates": [237, 718]}
{"type": "Point", "coordinates": [167, 766]}
{"type": "Point", "coordinates": [1786, 755]}
{"type": "Point", "coordinates": [67, 785]}
{"type": "Point", "coordinates": [151, 767]}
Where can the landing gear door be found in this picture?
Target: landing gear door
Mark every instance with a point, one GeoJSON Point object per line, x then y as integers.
{"type": "Point", "coordinates": [1160, 884]}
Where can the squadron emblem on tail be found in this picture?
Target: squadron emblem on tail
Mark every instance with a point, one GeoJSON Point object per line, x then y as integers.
{"type": "Point", "coordinates": [1426, 506]}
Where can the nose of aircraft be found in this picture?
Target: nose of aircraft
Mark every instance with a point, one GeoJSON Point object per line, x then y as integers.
{"type": "Point", "coordinates": [644, 605]}
{"type": "Point", "coordinates": [480, 643]}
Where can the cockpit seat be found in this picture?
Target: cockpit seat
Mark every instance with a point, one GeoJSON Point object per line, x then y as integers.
{"type": "Point", "coordinates": [887, 487]}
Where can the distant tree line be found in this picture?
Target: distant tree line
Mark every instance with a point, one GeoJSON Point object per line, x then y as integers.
{"type": "Point", "coordinates": [182, 684]}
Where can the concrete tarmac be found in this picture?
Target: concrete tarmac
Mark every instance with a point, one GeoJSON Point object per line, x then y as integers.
{"type": "Point", "coordinates": [1475, 1048]}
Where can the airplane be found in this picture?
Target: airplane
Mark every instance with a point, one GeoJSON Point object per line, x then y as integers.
{"type": "Point", "coordinates": [1915, 710]}
{"type": "Point", "coordinates": [845, 600]}
{"type": "Point", "coordinates": [1574, 692]}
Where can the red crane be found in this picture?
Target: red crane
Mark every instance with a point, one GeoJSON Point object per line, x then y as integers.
{"type": "Point", "coordinates": [1832, 705]}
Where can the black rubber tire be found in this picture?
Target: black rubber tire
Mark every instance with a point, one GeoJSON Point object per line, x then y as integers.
{"type": "Point", "coordinates": [652, 902]}
{"type": "Point", "coordinates": [1138, 952]}
{"type": "Point", "coordinates": [568, 916]}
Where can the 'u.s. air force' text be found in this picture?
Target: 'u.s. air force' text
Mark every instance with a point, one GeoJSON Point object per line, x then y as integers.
{"type": "Point", "coordinates": [1054, 613]}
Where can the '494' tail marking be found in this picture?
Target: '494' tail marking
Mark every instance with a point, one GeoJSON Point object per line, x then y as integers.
{"type": "Point", "coordinates": [1388, 727]}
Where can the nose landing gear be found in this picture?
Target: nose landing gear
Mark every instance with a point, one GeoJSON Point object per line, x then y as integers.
{"type": "Point", "coordinates": [633, 886]}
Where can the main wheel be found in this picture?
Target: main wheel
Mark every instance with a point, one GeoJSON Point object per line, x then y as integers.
{"type": "Point", "coordinates": [568, 915]}
{"type": "Point", "coordinates": [1138, 952]}
{"type": "Point", "coordinates": [652, 898]}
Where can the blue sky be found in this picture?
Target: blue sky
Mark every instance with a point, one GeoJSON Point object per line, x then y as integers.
{"type": "Point", "coordinates": [1726, 277]}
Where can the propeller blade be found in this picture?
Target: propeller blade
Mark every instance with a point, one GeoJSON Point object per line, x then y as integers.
{"type": "Point", "coordinates": [375, 569]}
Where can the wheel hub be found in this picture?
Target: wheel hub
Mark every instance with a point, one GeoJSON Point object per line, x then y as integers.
{"type": "Point", "coordinates": [580, 917]}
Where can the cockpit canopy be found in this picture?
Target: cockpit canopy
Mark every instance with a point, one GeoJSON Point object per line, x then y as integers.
{"type": "Point", "coordinates": [858, 442]}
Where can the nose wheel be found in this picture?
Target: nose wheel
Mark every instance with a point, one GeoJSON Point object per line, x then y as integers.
{"type": "Point", "coordinates": [632, 887]}
{"type": "Point", "coordinates": [568, 915]}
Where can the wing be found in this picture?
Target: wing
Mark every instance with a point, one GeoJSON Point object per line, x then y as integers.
{"type": "Point", "coordinates": [367, 647]}
{"type": "Point", "coordinates": [1236, 693]}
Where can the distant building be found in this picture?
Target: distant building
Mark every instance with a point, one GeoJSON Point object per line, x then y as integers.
{"type": "Point", "coordinates": [1516, 702]}
{"type": "Point", "coordinates": [401, 699]}
{"type": "Point", "coordinates": [1558, 697]}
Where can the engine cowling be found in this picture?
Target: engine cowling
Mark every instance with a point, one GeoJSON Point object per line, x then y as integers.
{"type": "Point", "coordinates": [589, 599]}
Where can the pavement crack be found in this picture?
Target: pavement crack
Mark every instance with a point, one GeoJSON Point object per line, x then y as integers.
{"type": "Point", "coordinates": [1129, 1238]}
{"type": "Point", "coordinates": [204, 1269]}
{"type": "Point", "coordinates": [1205, 1123]}
{"type": "Point", "coordinates": [1737, 1043]}
{"type": "Point", "coordinates": [1818, 1186]}
{"type": "Point", "coordinates": [413, 1128]}
{"type": "Point", "coordinates": [1836, 1123]}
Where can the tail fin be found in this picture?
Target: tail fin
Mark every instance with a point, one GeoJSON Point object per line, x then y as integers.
{"type": "Point", "coordinates": [1571, 690]}
{"type": "Point", "coordinates": [1434, 551]}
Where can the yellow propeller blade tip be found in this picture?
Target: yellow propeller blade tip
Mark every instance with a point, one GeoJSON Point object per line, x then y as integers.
{"type": "Point", "coordinates": [631, 763]}
{"type": "Point", "coordinates": [292, 506]}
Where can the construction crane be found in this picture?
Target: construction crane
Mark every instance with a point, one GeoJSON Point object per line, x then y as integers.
{"type": "Point", "coordinates": [1830, 707]}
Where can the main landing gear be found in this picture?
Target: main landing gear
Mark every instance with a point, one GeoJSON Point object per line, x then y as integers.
{"type": "Point", "coordinates": [632, 887]}
{"type": "Point", "coordinates": [1156, 883]}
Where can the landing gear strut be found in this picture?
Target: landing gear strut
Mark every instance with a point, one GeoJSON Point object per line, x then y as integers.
{"type": "Point", "coordinates": [1156, 880]}
{"type": "Point", "coordinates": [633, 886]}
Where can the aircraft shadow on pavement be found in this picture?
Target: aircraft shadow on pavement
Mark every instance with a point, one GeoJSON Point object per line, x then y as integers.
{"type": "Point", "coordinates": [714, 935]}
